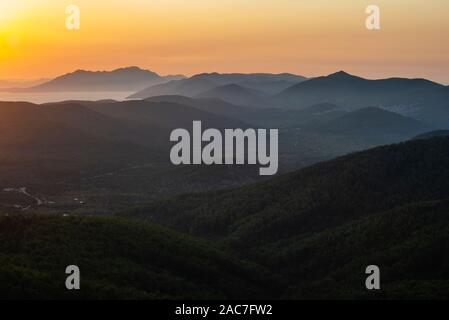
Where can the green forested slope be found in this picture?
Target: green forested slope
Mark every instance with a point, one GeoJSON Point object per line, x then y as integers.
{"type": "Point", "coordinates": [315, 198]}
{"type": "Point", "coordinates": [410, 244]}
{"type": "Point", "coordinates": [118, 259]}
{"type": "Point", "coordinates": [308, 234]}
{"type": "Point", "coordinates": [320, 227]}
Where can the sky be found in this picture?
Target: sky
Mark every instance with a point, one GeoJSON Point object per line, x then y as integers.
{"type": "Point", "coordinates": [307, 37]}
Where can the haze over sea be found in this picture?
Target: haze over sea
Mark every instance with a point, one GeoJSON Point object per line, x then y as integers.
{"type": "Point", "coordinates": [44, 97]}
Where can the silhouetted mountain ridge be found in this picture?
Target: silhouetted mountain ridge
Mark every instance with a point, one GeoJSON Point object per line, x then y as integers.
{"type": "Point", "coordinates": [268, 83]}
{"type": "Point", "coordinates": [355, 92]}
{"type": "Point", "coordinates": [122, 79]}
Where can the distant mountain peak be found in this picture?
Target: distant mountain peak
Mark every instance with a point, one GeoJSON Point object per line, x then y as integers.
{"type": "Point", "coordinates": [343, 75]}
{"type": "Point", "coordinates": [342, 72]}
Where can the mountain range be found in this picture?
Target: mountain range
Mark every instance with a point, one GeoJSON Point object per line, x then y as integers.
{"type": "Point", "coordinates": [420, 99]}
{"type": "Point", "coordinates": [198, 84]}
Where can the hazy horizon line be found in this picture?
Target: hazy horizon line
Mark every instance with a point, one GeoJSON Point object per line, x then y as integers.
{"type": "Point", "coordinates": [189, 75]}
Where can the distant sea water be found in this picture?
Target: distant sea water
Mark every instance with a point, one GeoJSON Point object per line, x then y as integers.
{"type": "Point", "coordinates": [44, 97]}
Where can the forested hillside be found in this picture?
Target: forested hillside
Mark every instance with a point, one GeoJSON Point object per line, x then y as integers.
{"type": "Point", "coordinates": [317, 197]}
{"type": "Point", "coordinates": [321, 226]}
{"type": "Point", "coordinates": [118, 259]}
{"type": "Point", "coordinates": [306, 234]}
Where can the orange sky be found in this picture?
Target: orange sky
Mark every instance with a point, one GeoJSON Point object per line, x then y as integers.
{"type": "Point", "coordinates": [309, 37]}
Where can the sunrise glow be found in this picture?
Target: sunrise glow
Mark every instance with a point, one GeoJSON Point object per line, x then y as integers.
{"type": "Point", "coordinates": [174, 36]}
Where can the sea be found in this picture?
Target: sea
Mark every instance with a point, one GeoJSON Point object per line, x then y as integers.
{"type": "Point", "coordinates": [46, 97]}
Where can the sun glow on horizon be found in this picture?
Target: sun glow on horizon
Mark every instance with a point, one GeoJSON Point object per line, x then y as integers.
{"type": "Point", "coordinates": [174, 36]}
